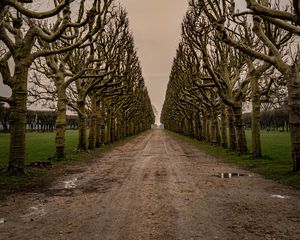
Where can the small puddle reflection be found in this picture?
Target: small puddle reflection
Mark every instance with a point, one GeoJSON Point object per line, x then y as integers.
{"type": "Point", "coordinates": [279, 196]}
{"type": "Point", "coordinates": [70, 184]}
{"type": "Point", "coordinates": [230, 175]}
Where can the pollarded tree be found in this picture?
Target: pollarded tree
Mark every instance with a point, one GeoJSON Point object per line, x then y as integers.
{"type": "Point", "coordinates": [225, 67]}
{"type": "Point", "coordinates": [116, 45]}
{"type": "Point", "coordinates": [57, 67]}
{"type": "Point", "coordinates": [136, 97]}
{"type": "Point", "coordinates": [114, 48]}
{"type": "Point", "coordinates": [178, 114]}
{"type": "Point", "coordinates": [200, 96]}
{"type": "Point", "coordinates": [288, 65]}
{"type": "Point", "coordinates": [19, 32]}
{"type": "Point", "coordinates": [140, 114]}
{"type": "Point", "coordinates": [254, 69]}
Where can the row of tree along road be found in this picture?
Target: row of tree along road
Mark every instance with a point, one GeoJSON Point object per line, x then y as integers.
{"type": "Point", "coordinates": [79, 55]}
{"type": "Point", "coordinates": [229, 57]}
{"type": "Point", "coordinates": [44, 121]}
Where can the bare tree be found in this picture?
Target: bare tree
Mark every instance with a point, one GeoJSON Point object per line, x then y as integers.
{"type": "Point", "coordinates": [62, 71]}
{"type": "Point", "coordinates": [288, 68]}
{"type": "Point", "coordinates": [19, 32]}
{"type": "Point", "coordinates": [225, 68]}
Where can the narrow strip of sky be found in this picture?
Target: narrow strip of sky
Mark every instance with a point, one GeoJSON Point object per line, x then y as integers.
{"type": "Point", "coordinates": [156, 26]}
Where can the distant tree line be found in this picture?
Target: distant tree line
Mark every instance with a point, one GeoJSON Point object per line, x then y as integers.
{"type": "Point", "coordinates": [37, 121]}
{"type": "Point", "coordinates": [272, 120]}
{"type": "Point", "coordinates": [77, 55]}
{"type": "Point", "coordinates": [227, 58]}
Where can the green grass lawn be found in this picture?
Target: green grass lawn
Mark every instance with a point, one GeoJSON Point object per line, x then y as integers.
{"type": "Point", "coordinates": [275, 164]}
{"type": "Point", "coordinates": [275, 145]}
{"type": "Point", "coordinates": [39, 146]}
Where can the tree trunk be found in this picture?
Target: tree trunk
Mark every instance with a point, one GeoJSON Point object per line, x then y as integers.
{"type": "Point", "coordinates": [214, 129]}
{"type": "Point", "coordinates": [199, 127]}
{"type": "Point", "coordinates": [204, 128]}
{"type": "Point", "coordinates": [17, 122]}
{"type": "Point", "coordinates": [128, 128]}
{"type": "Point", "coordinates": [294, 115]}
{"type": "Point", "coordinates": [190, 128]}
{"type": "Point", "coordinates": [240, 130]}
{"type": "Point", "coordinates": [208, 128]}
{"type": "Point", "coordinates": [60, 122]}
{"type": "Point", "coordinates": [4, 124]}
{"type": "Point", "coordinates": [112, 128]}
{"type": "Point", "coordinates": [223, 127]}
{"type": "Point", "coordinates": [131, 127]}
{"type": "Point", "coordinates": [99, 124]}
{"type": "Point", "coordinates": [108, 129]}
{"type": "Point", "coordinates": [123, 127]}
{"type": "Point", "coordinates": [183, 128]}
{"type": "Point", "coordinates": [255, 119]}
{"type": "Point", "coordinates": [93, 127]}
{"type": "Point", "coordinates": [232, 136]}
{"type": "Point", "coordinates": [81, 126]}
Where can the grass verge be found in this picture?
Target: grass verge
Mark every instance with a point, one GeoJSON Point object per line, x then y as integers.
{"type": "Point", "coordinates": [40, 148]}
{"type": "Point", "coordinates": [275, 164]}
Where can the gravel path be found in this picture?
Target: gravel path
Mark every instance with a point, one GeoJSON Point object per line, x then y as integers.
{"type": "Point", "coordinates": [154, 187]}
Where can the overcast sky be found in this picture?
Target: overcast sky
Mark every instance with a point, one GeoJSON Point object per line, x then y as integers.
{"type": "Point", "coordinates": [156, 26]}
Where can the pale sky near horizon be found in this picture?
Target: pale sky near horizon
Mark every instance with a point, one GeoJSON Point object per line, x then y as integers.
{"type": "Point", "coordinates": [156, 27]}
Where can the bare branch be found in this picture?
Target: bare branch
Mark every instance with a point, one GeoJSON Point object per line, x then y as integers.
{"type": "Point", "coordinates": [32, 14]}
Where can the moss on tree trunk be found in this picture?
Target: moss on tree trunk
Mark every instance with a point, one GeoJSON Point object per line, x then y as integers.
{"type": "Point", "coordinates": [204, 120]}
{"type": "Point", "coordinates": [208, 129]}
{"type": "Point", "coordinates": [215, 139]}
{"type": "Point", "coordinates": [240, 130]}
{"type": "Point", "coordinates": [199, 127]}
{"type": "Point", "coordinates": [60, 122]}
{"type": "Point", "coordinates": [93, 127]}
{"type": "Point", "coordinates": [17, 122]}
{"type": "Point", "coordinates": [232, 136]}
{"type": "Point", "coordinates": [99, 124]}
{"type": "Point", "coordinates": [294, 115]}
{"type": "Point", "coordinates": [81, 126]}
{"type": "Point", "coordinates": [223, 127]}
{"type": "Point", "coordinates": [255, 119]}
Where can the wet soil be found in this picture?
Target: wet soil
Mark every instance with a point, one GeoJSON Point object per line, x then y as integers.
{"type": "Point", "coordinates": [154, 187]}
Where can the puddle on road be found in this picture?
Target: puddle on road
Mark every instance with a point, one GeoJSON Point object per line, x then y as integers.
{"type": "Point", "coordinates": [180, 182]}
{"type": "Point", "coordinates": [2, 220]}
{"type": "Point", "coordinates": [231, 175]}
{"type": "Point", "coordinates": [70, 184]}
{"type": "Point", "coordinates": [279, 196]}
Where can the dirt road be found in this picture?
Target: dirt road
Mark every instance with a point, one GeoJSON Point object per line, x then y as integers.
{"type": "Point", "coordinates": [154, 187]}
